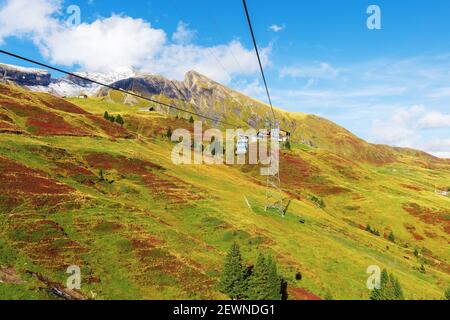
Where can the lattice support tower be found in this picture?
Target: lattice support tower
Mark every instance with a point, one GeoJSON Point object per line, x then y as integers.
{"type": "Point", "coordinates": [274, 194]}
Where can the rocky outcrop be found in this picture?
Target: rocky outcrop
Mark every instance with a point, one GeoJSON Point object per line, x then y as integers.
{"type": "Point", "coordinates": [24, 76]}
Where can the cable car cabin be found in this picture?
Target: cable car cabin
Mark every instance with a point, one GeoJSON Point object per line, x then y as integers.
{"type": "Point", "coordinates": [242, 145]}
{"type": "Point", "coordinates": [282, 135]}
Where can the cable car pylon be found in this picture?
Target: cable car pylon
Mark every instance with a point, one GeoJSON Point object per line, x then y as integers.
{"type": "Point", "coordinates": [274, 193]}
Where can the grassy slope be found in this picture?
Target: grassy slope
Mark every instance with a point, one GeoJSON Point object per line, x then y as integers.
{"type": "Point", "coordinates": [164, 235]}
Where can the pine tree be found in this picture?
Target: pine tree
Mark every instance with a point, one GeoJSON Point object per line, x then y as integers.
{"type": "Point", "coordinates": [379, 294]}
{"type": "Point", "coordinates": [106, 115]}
{"type": "Point", "coordinates": [328, 296]}
{"type": "Point", "coordinates": [422, 269]}
{"type": "Point", "coordinates": [390, 288]}
{"type": "Point", "coordinates": [447, 293]}
{"type": "Point", "coordinates": [398, 292]}
{"type": "Point", "coordinates": [274, 281]}
{"type": "Point", "coordinates": [232, 280]}
{"type": "Point", "coordinates": [120, 120]}
{"type": "Point", "coordinates": [391, 237]}
{"type": "Point", "coordinates": [169, 133]}
{"type": "Point", "coordinates": [191, 119]}
{"type": "Point", "coordinates": [264, 282]}
{"type": "Point", "coordinates": [101, 175]}
{"type": "Point", "coordinates": [287, 144]}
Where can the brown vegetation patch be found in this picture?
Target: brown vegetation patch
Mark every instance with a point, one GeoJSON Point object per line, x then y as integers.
{"type": "Point", "coordinates": [342, 166]}
{"type": "Point", "coordinates": [160, 184]}
{"type": "Point", "coordinates": [411, 187]}
{"type": "Point", "coordinates": [296, 169]}
{"type": "Point", "coordinates": [120, 163]}
{"type": "Point", "coordinates": [13, 92]}
{"type": "Point", "coordinates": [56, 103]}
{"type": "Point", "coordinates": [412, 230]}
{"type": "Point", "coordinates": [111, 129]}
{"type": "Point", "coordinates": [429, 216]}
{"type": "Point", "coordinates": [77, 172]}
{"type": "Point", "coordinates": [6, 118]}
{"type": "Point", "coordinates": [301, 294]}
{"type": "Point", "coordinates": [20, 184]}
{"type": "Point", "coordinates": [172, 189]}
{"type": "Point", "coordinates": [157, 127]}
{"type": "Point", "coordinates": [296, 173]}
{"type": "Point", "coordinates": [9, 275]}
{"type": "Point", "coordinates": [46, 243]}
{"type": "Point", "coordinates": [40, 121]}
{"type": "Point", "coordinates": [7, 127]}
{"type": "Point", "coordinates": [431, 234]}
{"type": "Point", "coordinates": [53, 125]}
{"type": "Point", "coordinates": [16, 178]}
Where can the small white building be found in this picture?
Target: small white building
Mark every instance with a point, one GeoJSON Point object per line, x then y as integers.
{"type": "Point", "coordinates": [442, 192]}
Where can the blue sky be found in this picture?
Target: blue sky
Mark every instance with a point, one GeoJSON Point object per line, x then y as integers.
{"type": "Point", "coordinates": [387, 86]}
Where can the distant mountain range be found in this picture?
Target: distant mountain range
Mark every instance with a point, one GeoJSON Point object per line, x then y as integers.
{"type": "Point", "coordinates": [41, 81]}
{"type": "Point", "coordinates": [200, 94]}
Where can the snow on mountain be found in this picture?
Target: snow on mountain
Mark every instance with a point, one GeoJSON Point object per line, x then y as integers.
{"type": "Point", "coordinates": [39, 80]}
{"type": "Point", "coordinates": [70, 86]}
{"type": "Point", "coordinates": [24, 76]}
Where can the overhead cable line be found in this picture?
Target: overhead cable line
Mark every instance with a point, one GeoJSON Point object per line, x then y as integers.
{"type": "Point", "coordinates": [112, 87]}
{"type": "Point", "coordinates": [259, 58]}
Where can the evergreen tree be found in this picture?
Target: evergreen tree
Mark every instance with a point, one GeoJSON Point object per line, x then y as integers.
{"type": "Point", "coordinates": [112, 119]}
{"type": "Point", "coordinates": [391, 237]}
{"type": "Point", "coordinates": [232, 280]}
{"type": "Point", "coordinates": [101, 175]}
{"type": "Point", "coordinates": [422, 269]}
{"type": "Point", "coordinates": [328, 296]}
{"type": "Point", "coordinates": [287, 144]}
{"type": "Point", "coordinates": [169, 133]}
{"type": "Point", "coordinates": [264, 282]}
{"type": "Point", "coordinates": [398, 292]}
{"type": "Point", "coordinates": [120, 120]}
{"type": "Point", "coordinates": [106, 115]}
{"type": "Point", "coordinates": [274, 281]}
{"type": "Point", "coordinates": [191, 119]}
{"type": "Point", "coordinates": [447, 293]}
{"type": "Point", "coordinates": [390, 288]}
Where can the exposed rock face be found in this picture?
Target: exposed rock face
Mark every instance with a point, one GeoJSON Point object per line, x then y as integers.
{"type": "Point", "coordinates": [195, 88]}
{"type": "Point", "coordinates": [24, 76]}
{"type": "Point", "coordinates": [204, 95]}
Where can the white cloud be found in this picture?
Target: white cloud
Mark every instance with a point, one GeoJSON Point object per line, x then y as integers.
{"type": "Point", "coordinates": [22, 18]}
{"type": "Point", "coordinates": [277, 28]}
{"type": "Point", "coordinates": [435, 119]}
{"type": "Point", "coordinates": [218, 62]}
{"type": "Point", "coordinates": [105, 44]}
{"type": "Point", "coordinates": [320, 70]}
{"type": "Point", "coordinates": [183, 34]}
{"type": "Point", "coordinates": [252, 89]}
{"type": "Point", "coordinates": [397, 130]}
{"type": "Point", "coordinates": [439, 147]}
{"type": "Point", "coordinates": [119, 42]}
{"type": "Point", "coordinates": [401, 129]}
